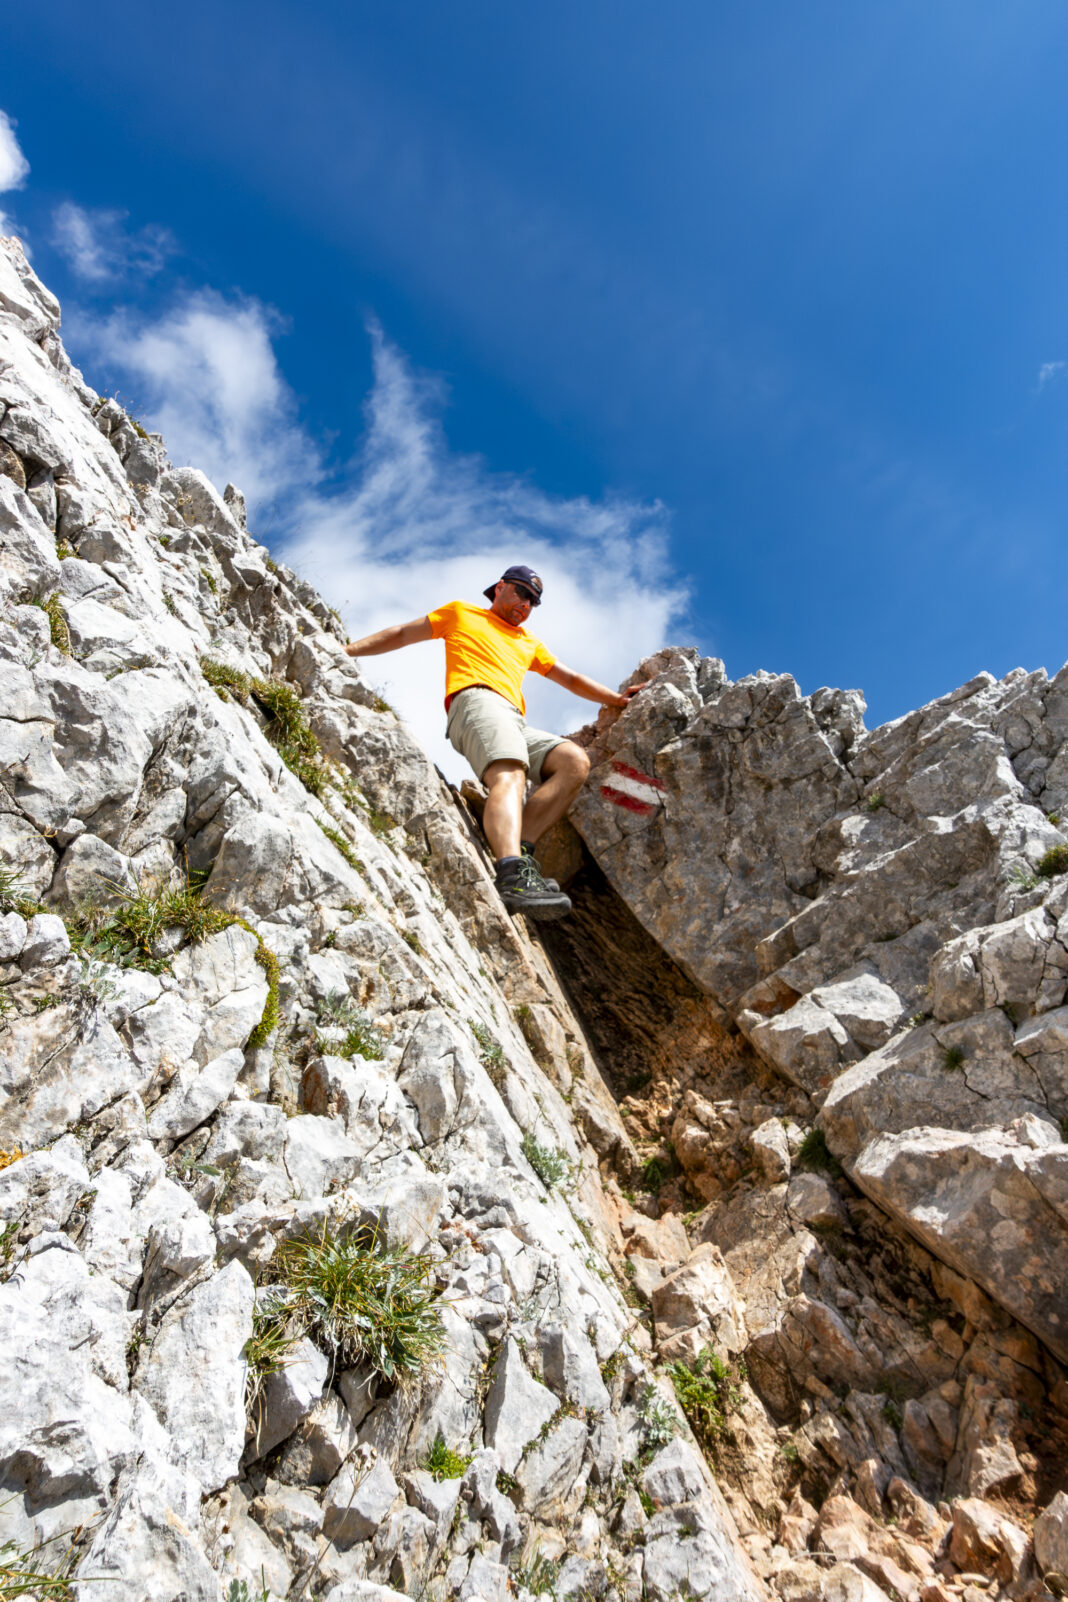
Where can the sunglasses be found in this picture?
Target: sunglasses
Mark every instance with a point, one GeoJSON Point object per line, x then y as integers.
{"type": "Point", "coordinates": [525, 594]}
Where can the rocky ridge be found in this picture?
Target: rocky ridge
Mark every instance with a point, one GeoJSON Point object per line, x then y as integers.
{"type": "Point", "coordinates": [260, 1003]}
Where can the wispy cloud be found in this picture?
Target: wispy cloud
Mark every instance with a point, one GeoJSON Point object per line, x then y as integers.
{"type": "Point", "coordinates": [413, 524]}
{"type": "Point", "coordinates": [100, 247]}
{"type": "Point", "coordinates": [13, 164]}
{"type": "Point", "coordinates": [206, 374]}
{"type": "Point", "coordinates": [1048, 372]}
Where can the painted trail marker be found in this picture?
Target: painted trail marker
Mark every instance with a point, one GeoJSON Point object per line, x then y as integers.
{"type": "Point", "coordinates": [634, 791]}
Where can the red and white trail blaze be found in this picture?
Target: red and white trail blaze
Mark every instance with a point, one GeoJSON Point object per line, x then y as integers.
{"type": "Point", "coordinates": [636, 792]}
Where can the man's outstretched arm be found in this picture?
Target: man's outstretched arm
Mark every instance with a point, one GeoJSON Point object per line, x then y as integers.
{"type": "Point", "coordinates": [392, 639]}
{"type": "Point", "coordinates": [589, 689]}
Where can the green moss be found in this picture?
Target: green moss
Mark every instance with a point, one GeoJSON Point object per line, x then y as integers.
{"type": "Point", "coordinates": [875, 802]}
{"type": "Point", "coordinates": [444, 1463]}
{"type": "Point", "coordinates": [380, 822]}
{"type": "Point", "coordinates": [269, 1019]}
{"type": "Point", "coordinates": [222, 676]}
{"type": "Point", "coordinates": [57, 621]}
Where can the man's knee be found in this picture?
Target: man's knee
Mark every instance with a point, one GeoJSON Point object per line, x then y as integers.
{"type": "Point", "coordinates": [505, 773]}
{"type": "Point", "coordinates": [570, 760]}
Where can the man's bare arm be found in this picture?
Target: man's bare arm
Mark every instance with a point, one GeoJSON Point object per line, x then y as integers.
{"type": "Point", "coordinates": [589, 689]}
{"type": "Point", "coordinates": [392, 639]}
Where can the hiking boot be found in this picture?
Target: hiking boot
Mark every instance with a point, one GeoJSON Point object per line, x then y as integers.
{"type": "Point", "coordinates": [528, 851]}
{"type": "Point", "coordinates": [522, 889]}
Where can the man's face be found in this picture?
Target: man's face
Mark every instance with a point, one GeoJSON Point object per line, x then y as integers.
{"type": "Point", "coordinates": [509, 604]}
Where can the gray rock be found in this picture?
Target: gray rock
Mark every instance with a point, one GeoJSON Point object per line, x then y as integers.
{"type": "Point", "coordinates": [1051, 1536]}
{"type": "Point", "coordinates": [570, 1366]}
{"type": "Point", "coordinates": [674, 1475]}
{"type": "Point", "coordinates": [771, 1150]}
{"type": "Point", "coordinates": [194, 1374]}
{"type": "Point", "coordinates": [90, 870]}
{"type": "Point", "coordinates": [357, 1502]}
{"type": "Point", "coordinates": [547, 1476]}
{"type": "Point", "coordinates": [321, 1444]}
{"type": "Point", "coordinates": [46, 942]}
{"type": "Point", "coordinates": [288, 1396]}
{"type": "Point", "coordinates": [12, 936]}
{"type": "Point", "coordinates": [517, 1407]}
{"type": "Point", "coordinates": [195, 1096]}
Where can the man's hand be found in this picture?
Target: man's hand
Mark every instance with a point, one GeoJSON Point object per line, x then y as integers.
{"type": "Point", "coordinates": [589, 689]}
{"type": "Point", "coordinates": [627, 695]}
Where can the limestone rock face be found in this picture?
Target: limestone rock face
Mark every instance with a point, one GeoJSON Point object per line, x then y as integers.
{"type": "Point", "coordinates": [240, 1012]}
{"type": "Point", "coordinates": [864, 906]}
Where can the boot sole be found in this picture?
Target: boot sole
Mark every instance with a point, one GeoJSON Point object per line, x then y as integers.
{"type": "Point", "coordinates": [543, 912]}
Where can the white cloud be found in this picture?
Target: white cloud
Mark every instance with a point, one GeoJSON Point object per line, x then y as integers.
{"type": "Point", "coordinates": [1048, 372]}
{"type": "Point", "coordinates": [100, 247]}
{"type": "Point", "coordinates": [206, 375]}
{"type": "Point", "coordinates": [13, 164]}
{"type": "Point", "coordinates": [413, 524]}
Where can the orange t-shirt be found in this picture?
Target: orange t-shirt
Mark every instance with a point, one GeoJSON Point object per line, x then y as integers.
{"type": "Point", "coordinates": [481, 648]}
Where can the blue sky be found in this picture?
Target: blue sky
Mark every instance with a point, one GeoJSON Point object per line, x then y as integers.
{"type": "Point", "coordinates": [752, 316]}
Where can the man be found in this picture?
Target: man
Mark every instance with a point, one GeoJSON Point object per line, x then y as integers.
{"type": "Point", "coordinates": [487, 652]}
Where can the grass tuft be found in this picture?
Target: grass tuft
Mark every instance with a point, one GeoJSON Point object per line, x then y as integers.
{"type": "Point", "coordinates": [290, 732]}
{"type": "Point", "coordinates": [491, 1053]}
{"type": "Point", "coordinates": [362, 1039]}
{"type": "Point", "coordinates": [26, 1573]}
{"type": "Point", "coordinates": [548, 1162]}
{"type": "Point", "coordinates": [443, 1463]}
{"type": "Point", "coordinates": [268, 1347]}
{"type": "Point", "coordinates": [14, 896]}
{"type": "Point", "coordinates": [221, 676]}
{"type": "Point", "coordinates": [953, 1058]}
{"type": "Point", "coordinates": [363, 1302]}
{"type": "Point", "coordinates": [815, 1155]}
{"type": "Point", "coordinates": [129, 934]}
{"type": "Point", "coordinates": [338, 839]}
{"type": "Point", "coordinates": [287, 726]}
{"type": "Point", "coordinates": [707, 1392]}
{"type": "Point", "coordinates": [537, 1574]}
{"type": "Point", "coordinates": [874, 802]}
{"type": "Point", "coordinates": [1053, 863]}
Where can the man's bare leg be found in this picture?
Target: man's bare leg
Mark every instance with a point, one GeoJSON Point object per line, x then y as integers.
{"type": "Point", "coordinates": [564, 773]}
{"type": "Point", "coordinates": [506, 781]}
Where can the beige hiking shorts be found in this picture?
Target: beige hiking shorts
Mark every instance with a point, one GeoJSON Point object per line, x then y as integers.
{"type": "Point", "coordinates": [486, 728]}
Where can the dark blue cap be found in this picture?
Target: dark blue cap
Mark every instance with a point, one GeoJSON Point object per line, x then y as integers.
{"type": "Point", "coordinates": [518, 575]}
